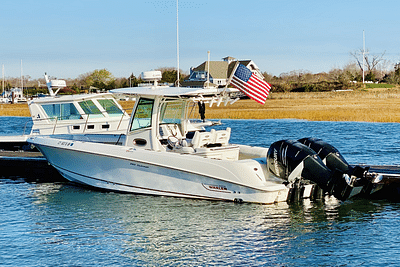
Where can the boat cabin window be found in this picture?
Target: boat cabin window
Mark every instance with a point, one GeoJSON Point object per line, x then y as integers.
{"type": "Point", "coordinates": [171, 112]}
{"type": "Point", "coordinates": [142, 117]}
{"type": "Point", "coordinates": [65, 111]}
{"type": "Point", "coordinates": [111, 107]}
{"type": "Point", "coordinates": [90, 109]}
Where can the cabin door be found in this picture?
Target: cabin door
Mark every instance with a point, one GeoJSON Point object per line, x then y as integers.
{"type": "Point", "coordinates": [140, 132]}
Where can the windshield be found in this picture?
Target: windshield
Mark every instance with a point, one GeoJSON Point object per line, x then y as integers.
{"type": "Point", "coordinates": [171, 112]}
{"type": "Point", "coordinates": [65, 111]}
{"type": "Point", "coordinates": [142, 118]}
{"type": "Point", "coordinates": [90, 109]}
{"type": "Point", "coordinates": [111, 107]}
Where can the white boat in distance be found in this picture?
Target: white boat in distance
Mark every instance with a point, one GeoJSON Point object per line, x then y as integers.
{"type": "Point", "coordinates": [70, 114]}
{"type": "Point", "coordinates": [163, 154]}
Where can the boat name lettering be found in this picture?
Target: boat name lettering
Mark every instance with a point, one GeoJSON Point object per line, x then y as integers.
{"type": "Point", "coordinates": [220, 188]}
{"type": "Point", "coordinates": [217, 187]}
{"type": "Point", "coordinates": [64, 143]}
{"type": "Point", "coordinates": [139, 165]}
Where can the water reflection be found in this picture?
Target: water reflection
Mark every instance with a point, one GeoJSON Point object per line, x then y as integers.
{"type": "Point", "coordinates": [62, 224]}
{"type": "Point", "coordinates": [146, 230]}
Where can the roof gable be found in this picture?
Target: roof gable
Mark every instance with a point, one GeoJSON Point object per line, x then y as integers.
{"type": "Point", "coordinates": [218, 69]}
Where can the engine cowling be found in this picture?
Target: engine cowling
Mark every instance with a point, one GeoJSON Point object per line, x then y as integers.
{"type": "Point", "coordinates": [332, 158]}
{"type": "Point", "coordinates": [291, 160]}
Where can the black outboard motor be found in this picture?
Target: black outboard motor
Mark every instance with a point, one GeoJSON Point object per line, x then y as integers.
{"type": "Point", "coordinates": [292, 160]}
{"type": "Point", "coordinates": [333, 159]}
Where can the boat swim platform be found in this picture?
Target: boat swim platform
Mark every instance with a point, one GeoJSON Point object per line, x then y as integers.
{"type": "Point", "coordinates": [32, 166]}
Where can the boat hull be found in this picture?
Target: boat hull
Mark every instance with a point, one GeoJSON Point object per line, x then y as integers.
{"type": "Point", "coordinates": [117, 168]}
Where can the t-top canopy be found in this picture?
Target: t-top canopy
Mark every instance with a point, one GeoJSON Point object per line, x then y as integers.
{"type": "Point", "coordinates": [171, 91]}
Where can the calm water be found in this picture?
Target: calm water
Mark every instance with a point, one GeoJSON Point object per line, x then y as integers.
{"type": "Point", "coordinates": [58, 224]}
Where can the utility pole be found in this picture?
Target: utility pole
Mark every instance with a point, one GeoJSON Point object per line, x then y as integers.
{"type": "Point", "coordinates": [2, 71]}
{"type": "Point", "coordinates": [363, 55]}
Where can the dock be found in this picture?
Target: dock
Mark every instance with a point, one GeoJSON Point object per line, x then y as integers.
{"type": "Point", "coordinates": [31, 166]}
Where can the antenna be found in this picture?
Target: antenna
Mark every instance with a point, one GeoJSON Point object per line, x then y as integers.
{"type": "Point", "coordinates": [54, 84]}
{"type": "Point", "coordinates": [22, 81]}
{"type": "Point", "coordinates": [177, 40]}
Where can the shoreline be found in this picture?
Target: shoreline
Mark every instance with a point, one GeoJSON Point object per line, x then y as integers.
{"type": "Point", "coordinates": [362, 106]}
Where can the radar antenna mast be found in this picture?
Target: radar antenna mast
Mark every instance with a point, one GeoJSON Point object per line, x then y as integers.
{"type": "Point", "coordinates": [177, 41]}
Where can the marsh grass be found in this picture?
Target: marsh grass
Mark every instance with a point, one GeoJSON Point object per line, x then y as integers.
{"type": "Point", "coordinates": [382, 105]}
{"type": "Point", "coordinates": [20, 110]}
{"type": "Point", "coordinates": [375, 105]}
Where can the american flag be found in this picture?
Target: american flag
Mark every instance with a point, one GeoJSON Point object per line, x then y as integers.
{"type": "Point", "coordinates": [250, 84]}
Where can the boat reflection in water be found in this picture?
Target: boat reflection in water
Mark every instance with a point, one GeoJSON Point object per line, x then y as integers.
{"type": "Point", "coordinates": [150, 230]}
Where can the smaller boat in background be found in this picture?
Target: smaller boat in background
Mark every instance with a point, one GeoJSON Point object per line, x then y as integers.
{"type": "Point", "coordinates": [70, 114]}
{"type": "Point", "coordinates": [14, 95]}
{"type": "Point", "coordinates": [4, 100]}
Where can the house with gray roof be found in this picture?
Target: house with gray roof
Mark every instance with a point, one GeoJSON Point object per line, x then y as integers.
{"type": "Point", "coordinates": [219, 72]}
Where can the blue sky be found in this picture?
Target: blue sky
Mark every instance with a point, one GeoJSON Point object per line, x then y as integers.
{"type": "Point", "coordinates": [69, 38]}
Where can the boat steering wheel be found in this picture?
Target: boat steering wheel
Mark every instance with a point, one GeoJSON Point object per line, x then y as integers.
{"type": "Point", "coordinates": [174, 142]}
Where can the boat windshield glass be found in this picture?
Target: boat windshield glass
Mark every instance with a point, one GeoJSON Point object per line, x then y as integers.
{"type": "Point", "coordinates": [142, 118]}
{"type": "Point", "coordinates": [65, 111]}
{"type": "Point", "coordinates": [90, 109]}
{"type": "Point", "coordinates": [111, 107]}
{"type": "Point", "coordinates": [171, 112]}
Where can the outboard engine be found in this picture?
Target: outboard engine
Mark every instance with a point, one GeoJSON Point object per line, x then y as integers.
{"type": "Point", "coordinates": [292, 160]}
{"type": "Point", "coordinates": [334, 160]}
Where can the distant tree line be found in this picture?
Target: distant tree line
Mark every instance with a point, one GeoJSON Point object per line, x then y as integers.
{"type": "Point", "coordinates": [94, 81]}
{"type": "Point", "coordinates": [349, 77]}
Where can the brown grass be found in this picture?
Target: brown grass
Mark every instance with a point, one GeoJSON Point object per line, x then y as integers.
{"type": "Point", "coordinates": [20, 110]}
{"type": "Point", "coordinates": [369, 106]}
{"type": "Point", "coordinates": [381, 105]}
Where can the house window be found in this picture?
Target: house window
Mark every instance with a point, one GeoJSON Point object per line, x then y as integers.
{"type": "Point", "coordinates": [199, 76]}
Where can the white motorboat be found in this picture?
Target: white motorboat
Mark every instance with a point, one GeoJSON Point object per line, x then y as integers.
{"type": "Point", "coordinates": [163, 154]}
{"type": "Point", "coordinates": [14, 95]}
{"type": "Point", "coordinates": [70, 114]}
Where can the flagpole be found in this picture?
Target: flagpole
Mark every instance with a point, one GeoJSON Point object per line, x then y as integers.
{"type": "Point", "coordinates": [230, 78]}
{"type": "Point", "coordinates": [232, 73]}
{"type": "Point", "coordinates": [208, 69]}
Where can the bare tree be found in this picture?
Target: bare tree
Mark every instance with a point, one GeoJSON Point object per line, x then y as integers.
{"type": "Point", "coordinates": [371, 61]}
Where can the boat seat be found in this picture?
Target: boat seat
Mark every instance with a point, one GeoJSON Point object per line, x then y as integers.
{"type": "Point", "coordinates": [182, 147]}
{"type": "Point", "coordinates": [229, 152]}
{"type": "Point", "coordinates": [222, 136]}
{"type": "Point", "coordinates": [167, 130]}
{"type": "Point", "coordinates": [201, 139]}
